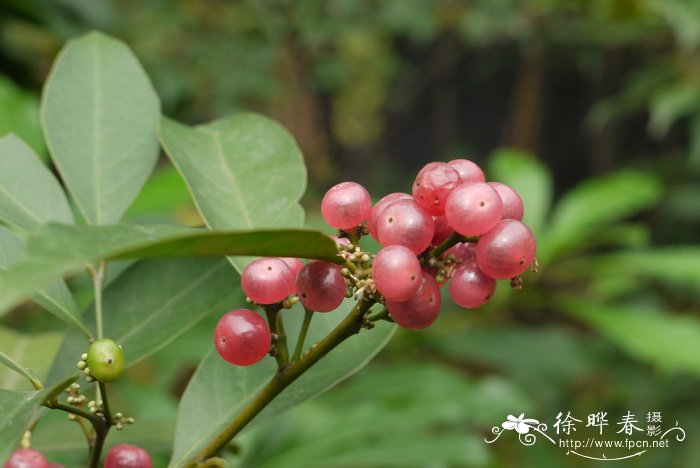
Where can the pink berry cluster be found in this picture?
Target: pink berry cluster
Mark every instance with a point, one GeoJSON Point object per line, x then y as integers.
{"type": "Point", "coordinates": [119, 456]}
{"type": "Point", "coordinates": [455, 228]}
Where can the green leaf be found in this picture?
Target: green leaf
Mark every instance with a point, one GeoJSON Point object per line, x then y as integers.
{"type": "Point", "coordinates": [59, 250]}
{"type": "Point", "coordinates": [16, 411]}
{"type": "Point", "coordinates": [19, 114]}
{"type": "Point", "coordinates": [244, 172]}
{"type": "Point", "coordinates": [100, 116]}
{"type": "Point", "coordinates": [54, 297]}
{"type": "Point", "coordinates": [530, 179]}
{"type": "Point", "coordinates": [595, 203]}
{"type": "Point", "coordinates": [218, 391]}
{"type": "Point", "coordinates": [670, 342]}
{"type": "Point", "coordinates": [8, 362]}
{"type": "Point", "coordinates": [33, 352]}
{"type": "Point", "coordinates": [29, 194]}
{"type": "Point", "coordinates": [153, 302]}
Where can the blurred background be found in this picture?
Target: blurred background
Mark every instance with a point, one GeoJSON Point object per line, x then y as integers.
{"type": "Point", "coordinates": [589, 108]}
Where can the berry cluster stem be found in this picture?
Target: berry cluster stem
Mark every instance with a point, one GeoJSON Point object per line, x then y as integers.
{"type": "Point", "coordinates": [350, 326]}
{"type": "Point", "coordinates": [276, 322]}
{"type": "Point", "coordinates": [454, 238]}
{"type": "Point", "coordinates": [308, 315]}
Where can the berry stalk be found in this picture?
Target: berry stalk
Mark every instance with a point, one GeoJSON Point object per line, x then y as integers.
{"type": "Point", "coordinates": [350, 326]}
{"type": "Point", "coordinates": [276, 323]}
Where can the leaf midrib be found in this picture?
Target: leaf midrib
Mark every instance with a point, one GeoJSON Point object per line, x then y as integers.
{"type": "Point", "coordinates": [229, 174]}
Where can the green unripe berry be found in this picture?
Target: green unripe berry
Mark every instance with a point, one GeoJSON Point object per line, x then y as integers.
{"type": "Point", "coordinates": [105, 360]}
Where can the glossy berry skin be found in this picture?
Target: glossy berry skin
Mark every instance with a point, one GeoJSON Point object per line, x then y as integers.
{"type": "Point", "coordinates": [106, 360]}
{"type": "Point", "coordinates": [396, 272]}
{"type": "Point", "coordinates": [242, 337]}
{"type": "Point", "coordinates": [432, 186]}
{"type": "Point", "coordinates": [294, 264]}
{"type": "Point", "coordinates": [470, 287]}
{"type": "Point", "coordinates": [513, 207]}
{"type": "Point", "coordinates": [267, 280]}
{"type": "Point", "coordinates": [346, 205]}
{"type": "Point", "coordinates": [462, 251]}
{"type": "Point", "coordinates": [127, 456]}
{"type": "Point", "coordinates": [507, 250]}
{"type": "Point", "coordinates": [320, 286]}
{"type": "Point", "coordinates": [406, 223]}
{"type": "Point", "coordinates": [468, 170]}
{"type": "Point", "coordinates": [379, 207]}
{"type": "Point", "coordinates": [26, 458]}
{"type": "Point", "coordinates": [421, 310]}
{"type": "Point", "coordinates": [442, 230]}
{"type": "Point", "coordinates": [473, 208]}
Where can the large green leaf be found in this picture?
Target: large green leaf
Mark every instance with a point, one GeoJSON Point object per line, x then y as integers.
{"type": "Point", "coordinates": [668, 341]}
{"type": "Point", "coordinates": [54, 297]}
{"type": "Point", "coordinates": [244, 172]}
{"type": "Point", "coordinates": [29, 194]}
{"type": "Point", "coordinates": [595, 203]}
{"type": "Point", "coordinates": [218, 391]}
{"type": "Point", "coordinates": [100, 117]}
{"type": "Point", "coordinates": [16, 411]}
{"type": "Point", "coordinates": [154, 302]}
{"type": "Point", "coordinates": [530, 179]}
{"type": "Point", "coordinates": [59, 250]}
{"type": "Point", "coordinates": [31, 352]}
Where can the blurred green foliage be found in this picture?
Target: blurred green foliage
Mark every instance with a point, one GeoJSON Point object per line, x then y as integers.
{"type": "Point", "coordinates": [605, 93]}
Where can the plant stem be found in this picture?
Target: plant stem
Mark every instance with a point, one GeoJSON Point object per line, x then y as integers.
{"type": "Point", "coordinates": [454, 238]}
{"type": "Point", "coordinates": [381, 315]}
{"type": "Point", "coordinates": [350, 325]}
{"type": "Point", "coordinates": [308, 315]}
{"type": "Point", "coordinates": [276, 323]}
{"type": "Point", "coordinates": [105, 404]}
{"type": "Point", "coordinates": [98, 276]}
{"type": "Point", "coordinates": [100, 425]}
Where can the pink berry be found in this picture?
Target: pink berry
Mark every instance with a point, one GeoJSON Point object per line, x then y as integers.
{"type": "Point", "coordinates": [432, 186]}
{"type": "Point", "coordinates": [294, 264]}
{"type": "Point", "coordinates": [320, 286]}
{"type": "Point", "coordinates": [379, 207]}
{"type": "Point", "coordinates": [242, 337]}
{"type": "Point", "coordinates": [396, 272]}
{"type": "Point", "coordinates": [26, 458]}
{"type": "Point", "coordinates": [513, 207]}
{"type": "Point", "coordinates": [473, 208]}
{"type": "Point", "coordinates": [422, 309]}
{"type": "Point", "coordinates": [507, 250]}
{"type": "Point", "coordinates": [127, 456]}
{"type": "Point", "coordinates": [442, 230]}
{"type": "Point", "coordinates": [470, 287]}
{"type": "Point", "coordinates": [267, 280]}
{"type": "Point", "coordinates": [406, 223]}
{"type": "Point", "coordinates": [346, 205]}
{"type": "Point", "coordinates": [462, 251]}
{"type": "Point", "coordinates": [340, 241]}
{"type": "Point", "coordinates": [468, 171]}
